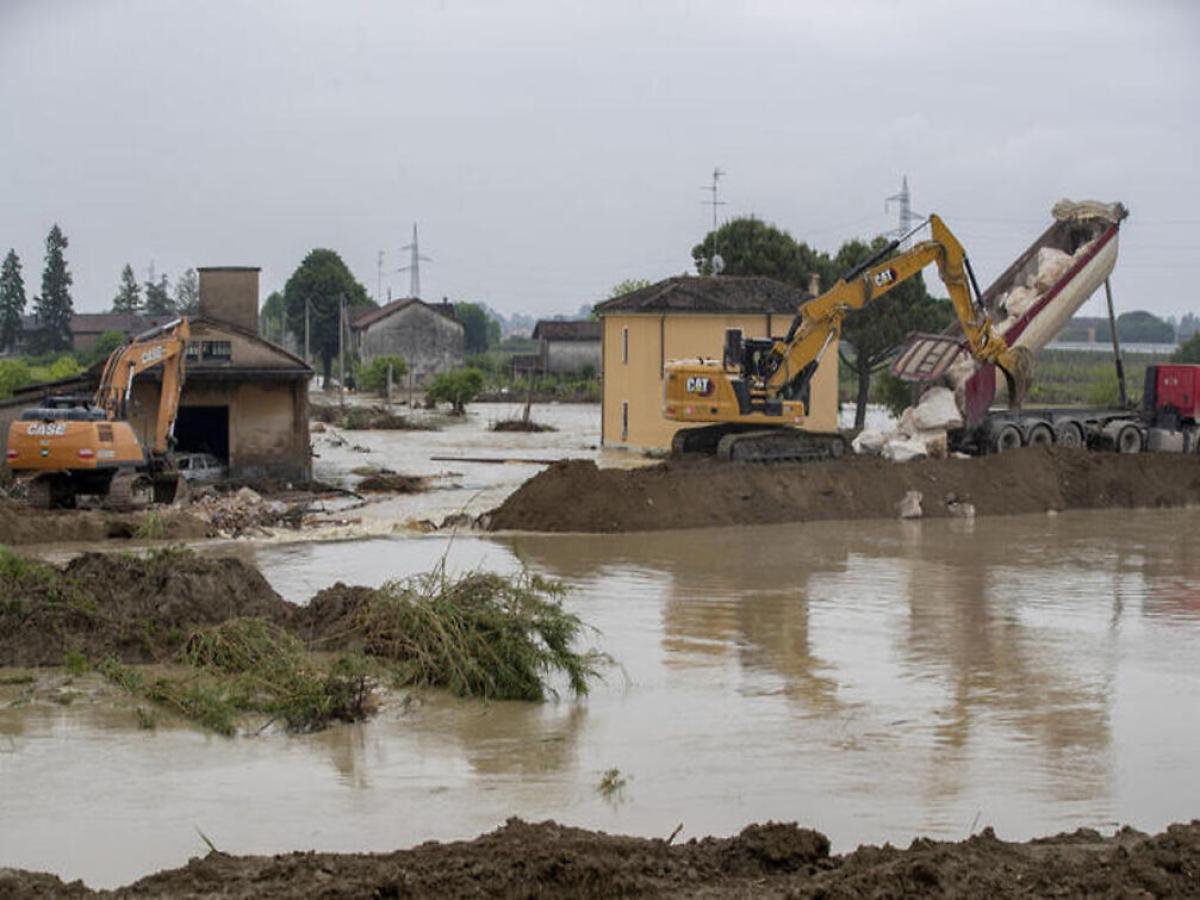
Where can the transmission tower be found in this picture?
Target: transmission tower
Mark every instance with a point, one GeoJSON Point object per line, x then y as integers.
{"type": "Point", "coordinates": [414, 265]}
{"type": "Point", "coordinates": [907, 216]}
{"type": "Point", "coordinates": [715, 261]}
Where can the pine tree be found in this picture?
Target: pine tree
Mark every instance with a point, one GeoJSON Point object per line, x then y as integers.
{"type": "Point", "coordinates": [54, 307]}
{"type": "Point", "coordinates": [187, 293]}
{"type": "Point", "coordinates": [12, 300]}
{"type": "Point", "coordinates": [129, 294]}
{"type": "Point", "coordinates": [158, 298]}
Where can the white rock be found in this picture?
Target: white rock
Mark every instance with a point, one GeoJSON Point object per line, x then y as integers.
{"type": "Point", "coordinates": [910, 506]}
{"type": "Point", "coordinates": [936, 411]}
{"type": "Point", "coordinates": [869, 441]}
{"type": "Point", "coordinates": [900, 449]}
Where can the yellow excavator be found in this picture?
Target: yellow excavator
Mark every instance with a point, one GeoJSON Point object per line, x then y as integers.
{"type": "Point", "coordinates": [75, 445]}
{"type": "Point", "coordinates": [756, 398]}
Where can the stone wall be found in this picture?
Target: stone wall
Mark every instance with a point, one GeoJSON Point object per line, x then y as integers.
{"type": "Point", "coordinates": [429, 342]}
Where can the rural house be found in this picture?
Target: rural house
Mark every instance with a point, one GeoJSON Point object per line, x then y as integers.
{"type": "Point", "coordinates": [686, 317]}
{"type": "Point", "coordinates": [428, 336]}
{"type": "Point", "coordinates": [568, 347]}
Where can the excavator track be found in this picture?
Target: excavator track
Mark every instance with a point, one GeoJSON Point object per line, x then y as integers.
{"type": "Point", "coordinates": [739, 443]}
{"type": "Point", "coordinates": [128, 491]}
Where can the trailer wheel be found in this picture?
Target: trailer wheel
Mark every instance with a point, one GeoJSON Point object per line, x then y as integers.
{"type": "Point", "coordinates": [1069, 434]}
{"type": "Point", "coordinates": [1039, 435]}
{"type": "Point", "coordinates": [1007, 437]}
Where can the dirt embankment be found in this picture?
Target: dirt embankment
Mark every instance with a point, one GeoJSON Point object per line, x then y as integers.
{"type": "Point", "coordinates": [19, 524]}
{"type": "Point", "coordinates": [771, 860]}
{"type": "Point", "coordinates": [577, 496]}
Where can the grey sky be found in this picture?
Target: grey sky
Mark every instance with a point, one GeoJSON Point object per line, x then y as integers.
{"type": "Point", "coordinates": [549, 150]}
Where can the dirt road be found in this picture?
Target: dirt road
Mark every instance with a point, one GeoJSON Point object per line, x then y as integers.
{"type": "Point", "coordinates": [771, 860]}
{"type": "Point", "coordinates": [577, 496]}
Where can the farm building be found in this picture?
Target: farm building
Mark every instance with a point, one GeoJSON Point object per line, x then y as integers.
{"type": "Point", "coordinates": [686, 317]}
{"type": "Point", "coordinates": [427, 335]}
{"type": "Point", "coordinates": [568, 347]}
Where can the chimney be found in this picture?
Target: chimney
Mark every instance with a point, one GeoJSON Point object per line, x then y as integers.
{"type": "Point", "coordinates": [229, 294]}
{"type": "Point", "coordinates": [814, 283]}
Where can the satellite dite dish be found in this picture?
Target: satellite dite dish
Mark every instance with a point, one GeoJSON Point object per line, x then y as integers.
{"type": "Point", "coordinates": [718, 264]}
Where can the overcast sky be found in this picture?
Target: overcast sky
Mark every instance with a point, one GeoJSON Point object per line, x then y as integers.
{"type": "Point", "coordinates": [549, 150]}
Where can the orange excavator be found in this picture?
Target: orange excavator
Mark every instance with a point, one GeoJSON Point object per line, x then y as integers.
{"type": "Point", "coordinates": [76, 445]}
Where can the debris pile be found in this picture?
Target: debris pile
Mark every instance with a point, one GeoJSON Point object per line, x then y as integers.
{"type": "Point", "coordinates": [245, 511]}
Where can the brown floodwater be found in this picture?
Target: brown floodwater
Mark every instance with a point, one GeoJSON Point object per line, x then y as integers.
{"type": "Point", "coordinates": [874, 680]}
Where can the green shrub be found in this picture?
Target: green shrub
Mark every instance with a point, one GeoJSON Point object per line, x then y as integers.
{"type": "Point", "coordinates": [14, 373]}
{"type": "Point", "coordinates": [373, 377]}
{"type": "Point", "coordinates": [457, 388]}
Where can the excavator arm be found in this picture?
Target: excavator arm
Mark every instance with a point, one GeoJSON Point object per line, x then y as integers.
{"type": "Point", "coordinates": [165, 346]}
{"type": "Point", "coordinates": [820, 320]}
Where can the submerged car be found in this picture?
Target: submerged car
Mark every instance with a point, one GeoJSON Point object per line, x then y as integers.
{"type": "Point", "coordinates": [200, 467]}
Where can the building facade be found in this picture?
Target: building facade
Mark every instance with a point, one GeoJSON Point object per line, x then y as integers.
{"type": "Point", "coordinates": [686, 317]}
{"type": "Point", "coordinates": [428, 336]}
{"type": "Point", "coordinates": [568, 348]}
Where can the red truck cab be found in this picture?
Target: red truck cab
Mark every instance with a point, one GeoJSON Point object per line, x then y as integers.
{"type": "Point", "coordinates": [1173, 390]}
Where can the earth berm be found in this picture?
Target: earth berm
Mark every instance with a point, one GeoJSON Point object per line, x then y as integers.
{"type": "Point", "coordinates": [576, 496]}
{"type": "Point", "coordinates": [545, 859]}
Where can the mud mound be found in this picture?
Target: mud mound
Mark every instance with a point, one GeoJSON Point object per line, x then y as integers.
{"type": "Point", "coordinates": [393, 483]}
{"type": "Point", "coordinates": [577, 496]}
{"type": "Point", "coordinates": [21, 525]}
{"type": "Point", "coordinates": [525, 425]}
{"type": "Point", "coordinates": [138, 609]}
{"type": "Point", "coordinates": [546, 859]}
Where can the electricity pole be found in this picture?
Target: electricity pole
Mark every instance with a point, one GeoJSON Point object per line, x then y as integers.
{"type": "Point", "coordinates": [903, 201]}
{"type": "Point", "coordinates": [307, 356]}
{"type": "Point", "coordinates": [341, 350]}
{"type": "Point", "coordinates": [714, 203]}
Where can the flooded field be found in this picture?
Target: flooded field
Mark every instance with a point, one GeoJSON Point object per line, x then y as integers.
{"type": "Point", "coordinates": [874, 680]}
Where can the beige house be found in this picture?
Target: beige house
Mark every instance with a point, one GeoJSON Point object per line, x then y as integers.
{"type": "Point", "coordinates": [428, 336]}
{"type": "Point", "coordinates": [687, 317]}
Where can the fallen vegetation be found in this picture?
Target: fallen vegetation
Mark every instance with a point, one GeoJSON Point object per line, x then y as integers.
{"type": "Point", "coordinates": [237, 648]}
{"type": "Point", "coordinates": [576, 496]}
{"type": "Point", "coordinates": [523, 859]}
{"type": "Point", "coordinates": [367, 418]}
{"type": "Point", "coordinates": [393, 483]}
{"type": "Point", "coordinates": [520, 425]}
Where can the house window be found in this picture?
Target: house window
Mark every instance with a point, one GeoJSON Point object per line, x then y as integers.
{"type": "Point", "coordinates": [624, 420]}
{"type": "Point", "coordinates": [625, 346]}
{"type": "Point", "coordinates": [218, 351]}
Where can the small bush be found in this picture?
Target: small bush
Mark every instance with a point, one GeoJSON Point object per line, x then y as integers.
{"type": "Point", "coordinates": [373, 376]}
{"type": "Point", "coordinates": [456, 388]}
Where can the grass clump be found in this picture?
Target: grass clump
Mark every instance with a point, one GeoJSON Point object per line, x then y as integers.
{"type": "Point", "coordinates": [151, 529]}
{"type": "Point", "coordinates": [478, 635]}
{"type": "Point", "coordinates": [249, 665]}
{"type": "Point", "coordinates": [75, 662]}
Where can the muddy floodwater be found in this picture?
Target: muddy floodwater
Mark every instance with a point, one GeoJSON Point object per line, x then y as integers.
{"type": "Point", "coordinates": [874, 680]}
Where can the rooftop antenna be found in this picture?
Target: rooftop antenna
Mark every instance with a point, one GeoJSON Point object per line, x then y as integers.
{"type": "Point", "coordinates": [714, 262]}
{"type": "Point", "coordinates": [903, 201]}
{"type": "Point", "coordinates": [414, 265]}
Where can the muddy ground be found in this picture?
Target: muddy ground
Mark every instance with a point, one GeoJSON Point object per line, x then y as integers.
{"type": "Point", "coordinates": [21, 525]}
{"type": "Point", "coordinates": [773, 860]}
{"type": "Point", "coordinates": [577, 496]}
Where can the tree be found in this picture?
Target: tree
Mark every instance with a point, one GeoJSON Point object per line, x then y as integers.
{"type": "Point", "coordinates": [752, 247]}
{"type": "Point", "coordinates": [12, 300]}
{"type": "Point", "coordinates": [129, 294]}
{"type": "Point", "coordinates": [158, 298]}
{"type": "Point", "coordinates": [872, 334]}
{"type": "Point", "coordinates": [457, 388]}
{"type": "Point", "coordinates": [1188, 352]}
{"type": "Point", "coordinates": [321, 281]}
{"type": "Point", "coordinates": [105, 345]}
{"type": "Point", "coordinates": [54, 307]}
{"type": "Point", "coordinates": [273, 316]}
{"type": "Point", "coordinates": [14, 373]}
{"type": "Point", "coordinates": [481, 330]}
{"type": "Point", "coordinates": [621, 288]}
{"type": "Point", "coordinates": [374, 376]}
{"type": "Point", "coordinates": [187, 293]}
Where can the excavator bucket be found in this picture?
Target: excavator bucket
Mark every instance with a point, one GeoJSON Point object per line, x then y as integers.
{"type": "Point", "coordinates": [926, 357]}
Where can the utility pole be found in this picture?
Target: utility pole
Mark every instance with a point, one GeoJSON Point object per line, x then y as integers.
{"type": "Point", "coordinates": [307, 356]}
{"type": "Point", "coordinates": [414, 266]}
{"type": "Point", "coordinates": [904, 224]}
{"type": "Point", "coordinates": [341, 350]}
{"type": "Point", "coordinates": [379, 282]}
{"type": "Point", "coordinates": [714, 203]}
